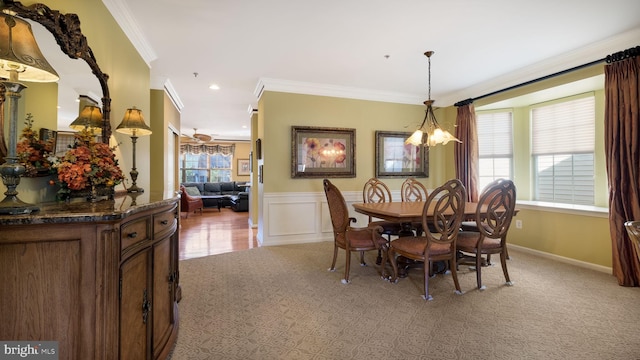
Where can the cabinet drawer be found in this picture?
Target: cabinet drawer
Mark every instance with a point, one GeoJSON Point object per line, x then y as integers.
{"type": "Point", "coordinates": [164, 221]}
{"type": "Point", "coordinates": [134, 232]}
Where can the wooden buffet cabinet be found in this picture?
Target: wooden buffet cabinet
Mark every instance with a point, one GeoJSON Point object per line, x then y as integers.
{"type": "Point", "coordinates": [99, 278]}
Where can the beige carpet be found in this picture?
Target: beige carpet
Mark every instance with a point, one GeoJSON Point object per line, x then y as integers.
{"type": "Point", "coordinates": [282, 303]}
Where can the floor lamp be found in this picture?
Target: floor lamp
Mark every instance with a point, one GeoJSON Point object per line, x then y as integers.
{"type": "Point", "coordinates": [133, 124]}
{"type": "Point", "coordinates": [20, 55]}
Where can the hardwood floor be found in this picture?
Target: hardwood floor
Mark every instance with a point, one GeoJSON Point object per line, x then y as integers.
{"type": "Point", "coordinates": [215, 232]}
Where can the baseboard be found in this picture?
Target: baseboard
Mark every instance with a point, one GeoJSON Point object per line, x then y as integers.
{"type": "Point", "coordinates": [563, 259]}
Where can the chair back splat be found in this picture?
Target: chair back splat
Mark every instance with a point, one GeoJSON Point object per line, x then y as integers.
{"type": "Point", "coordinates": [375, 191]}
{"type": "Point", "coordinates": [412, 190]}
{"type": "Point", "coordinates": [349, 238]}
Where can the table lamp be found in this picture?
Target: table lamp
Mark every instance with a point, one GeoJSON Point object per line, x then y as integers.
{"type": "Point", "coordinates": [90, 118]}
{"type": "Point", "coordinates": [20, 55]}
{"type": "Point", "coordinates": [133, 124]}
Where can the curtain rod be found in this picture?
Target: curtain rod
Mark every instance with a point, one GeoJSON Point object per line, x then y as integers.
{"type": "Point", "coordinates": [620, 55]}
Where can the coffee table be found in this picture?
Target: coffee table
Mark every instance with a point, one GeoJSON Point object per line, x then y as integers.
{"type": "Point", "coordinates": [218, 199]}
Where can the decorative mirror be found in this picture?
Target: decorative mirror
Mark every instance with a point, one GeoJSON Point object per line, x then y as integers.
{"type": "Point", "coordinates": [65, 29]}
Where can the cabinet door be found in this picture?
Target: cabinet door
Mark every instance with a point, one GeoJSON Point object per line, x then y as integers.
{"type": "Point", "coordinates": [135, 306]}
{"type": "Point", "coordinates": [163, 294]}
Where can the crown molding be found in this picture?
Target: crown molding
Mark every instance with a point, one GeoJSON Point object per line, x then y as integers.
{"type": "Point", "coordinates": [299, 87]}
{"type": "Point", "coordinates": [123, 16]}
{"type": "Point", "coordinates": [568, 60]}
{"type": "Point", "coordinates": [173, 95]}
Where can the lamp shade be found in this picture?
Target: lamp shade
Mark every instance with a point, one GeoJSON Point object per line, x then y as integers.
{"type": "Point", "coordinates": [133, 123]}
{"type": "Point", "coordinates": [90, 117]}
{"type": "Point", "coordinates": [20, 52]}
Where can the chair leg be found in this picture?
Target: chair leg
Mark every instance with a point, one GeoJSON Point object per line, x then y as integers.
{"type": "Point", "coordinates": [346, 268]}
{"type": "Point", "coordinates": [479, 271]}
{"type": "Point", "coordinates": [503, 261]}
{"type": "Point", "coordinates": [379, 258]}
{"type": "Point", "coordinates": [335, 256]}
{"type": "Point", "coordinates": [383, 263]}
{"type": "Point", "coordinates": [391, 255]}
{"type": "Point", "coordinates": [454, 274]}
{"type": "Point", "coordinates": [427, 267]}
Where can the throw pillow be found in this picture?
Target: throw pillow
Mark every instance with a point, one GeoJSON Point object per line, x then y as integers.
{"type": "Point", "coordinates": [192, 190]}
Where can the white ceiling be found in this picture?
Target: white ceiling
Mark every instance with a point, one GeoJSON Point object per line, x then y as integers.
{"type": "Point", "coordinates": [367, 48]}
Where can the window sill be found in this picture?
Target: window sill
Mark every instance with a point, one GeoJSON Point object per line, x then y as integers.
{"type": "Point", "coordinates": [583, 210]}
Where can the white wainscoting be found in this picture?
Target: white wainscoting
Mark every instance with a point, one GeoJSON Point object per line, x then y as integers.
{"type": "Point", "coordinates": [294, 218]}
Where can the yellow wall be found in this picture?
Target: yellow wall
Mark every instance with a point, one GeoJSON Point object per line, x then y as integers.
{"type": "Point", "coordinates": [580, 237]}
{"type": "Point", "coordinates": [163, 114]}
{"type": "Point", "coordinates": [280, 111]}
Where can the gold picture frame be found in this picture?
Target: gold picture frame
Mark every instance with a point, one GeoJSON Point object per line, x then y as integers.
{"type": "Point", "coordinates": [395, 159]}
{"type": "Point", "coordinates": [244, 167]}
{"type": "Point", "coordinates": [318, 152]}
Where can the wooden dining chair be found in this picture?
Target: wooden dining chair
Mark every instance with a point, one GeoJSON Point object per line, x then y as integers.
{"type": "Point", "coordinates": [349, 238]}
{"type": "Point", "coordinates": [412, 190]}
{"type": "Point", "coordinates": [444, 209]}
{"type": "Point", "coordinates": [376, 191]}
{"type": "Point", "coordinates": [471, 225]}
{"type": "Point", "coordinates": [494, 214]}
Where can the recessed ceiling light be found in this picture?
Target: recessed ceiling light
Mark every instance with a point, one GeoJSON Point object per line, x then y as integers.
{"type": "Point", "coordinates": [214, 87]}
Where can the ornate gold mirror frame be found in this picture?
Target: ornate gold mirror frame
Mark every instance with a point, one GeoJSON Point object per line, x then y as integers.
{"type": "Point", "coordinates": [65, 28]}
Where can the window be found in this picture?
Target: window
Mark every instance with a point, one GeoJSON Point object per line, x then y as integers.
{"type": "Point", "coordinates": [563, 143]}
{"type": "Point", "coordinates": [206, 167]}
{"type": "Point", "coordinates": [495, 143]}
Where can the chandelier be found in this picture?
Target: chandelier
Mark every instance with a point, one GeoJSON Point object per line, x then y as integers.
{"type": "Point", "coordinates": [434, 133]}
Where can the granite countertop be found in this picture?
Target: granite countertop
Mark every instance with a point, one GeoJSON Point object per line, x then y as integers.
{"type": "Point", "coordinates": [81, 210]}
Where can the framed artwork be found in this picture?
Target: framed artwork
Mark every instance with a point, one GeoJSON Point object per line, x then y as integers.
{"type": "Point", "coordinates": [259, 149]}
{"type": "Point", "coordinates": [322, 152]}
{"type": "Point", "coordinates": [394, 158]}
{"type": "Point", "coordinates": [244, 167]}
{"type": "Point", "coordinates": [48, 134]}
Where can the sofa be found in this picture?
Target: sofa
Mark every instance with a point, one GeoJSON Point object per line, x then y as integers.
{"type": "Point", "coordinates": [220, 194]}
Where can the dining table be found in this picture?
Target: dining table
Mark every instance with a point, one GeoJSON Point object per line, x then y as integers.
{"type": "Point", "coordinates": [405, 212]}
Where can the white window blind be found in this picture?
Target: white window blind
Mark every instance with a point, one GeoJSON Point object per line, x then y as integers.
{"type": "Point", "coordinates": [495, 134]}
{"type": "Point", "coordinates": [563, 138]}
{"type": "Point", "coordinates": [567, 127]}
{"type": "Point", "coordinates": [495, 145]}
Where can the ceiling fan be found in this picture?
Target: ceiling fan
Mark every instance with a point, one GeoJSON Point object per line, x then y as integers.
{"type": "Point", "coordinates": [199, 138]}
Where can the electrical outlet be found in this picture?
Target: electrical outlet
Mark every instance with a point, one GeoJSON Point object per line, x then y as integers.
{"type": "Point", "coordinates": [518, 224]}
